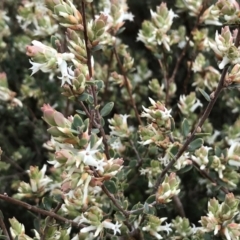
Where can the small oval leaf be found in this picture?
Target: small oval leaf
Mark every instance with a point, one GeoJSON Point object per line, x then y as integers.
{"type": "Point", "coordinates": [107, 109]}
{"type": "Point", "coordinates": [111, 186]}
{"type": "Point", "coordinates": [195, 144]}
{"type": "Point", "coordinates": [185, 127]}
{"type": "Point", "coordinates": [206, 96]}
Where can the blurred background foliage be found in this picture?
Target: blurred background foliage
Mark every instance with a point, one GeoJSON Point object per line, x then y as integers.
{"type": "Point", "coordinates": [23, 132]}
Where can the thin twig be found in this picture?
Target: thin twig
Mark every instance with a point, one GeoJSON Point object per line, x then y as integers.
{"type": "Point", "coordinates": [127, 86]}
{"type": "Point", "coordinates": [3, 227]}
{"type": "Point", "coordinates": [199, 125]}
{"type": "Point", "coordinates": [97, 115]}
{"type": "Point", "coordinates": [179, 60]}
{"type": "Point", "coordinates": [205, 115]}
{"type": "Point", "coordinates": [125, 213]}
{"type": "Point", "coordinates": [179, 206]}
{"type": "Point", "coordinates": [12, 162]}
{"type": "Point", "coordinates": [206, 175]}
{"type": "Point", "coordinates": [89, 64]}
{"type": "Point", "coordinates": [140, 161]}
{"type": "Point", "coordinates": [31, 208]}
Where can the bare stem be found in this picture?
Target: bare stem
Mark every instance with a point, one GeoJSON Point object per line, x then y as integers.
{"type": "Point", "coordinates": [125, 213]}
{"type": "Point", "coordinates": [96, 119]}
{"type": "Point", "coordinates": [89, 64]}
{"type": "Point", "coordinates": [206, 175]}
{"type": "Point", "coordinates": [205, 115]}
{"type": "Point", "coordinates": [3, 227]}
{"type": "Point", "coordinates": [127, 86]}
{"type": "Point", "coordinates": [179, 206]}
{"type": "Point", "coordinates": [199, 125]}
{"type": "Point", "coordinates": [140, 161]}
{"type": "Point", "coordinates": [31, 208]}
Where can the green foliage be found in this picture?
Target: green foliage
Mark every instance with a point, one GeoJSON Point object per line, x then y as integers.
{"type": "Point", "coordinates": [127, 124]}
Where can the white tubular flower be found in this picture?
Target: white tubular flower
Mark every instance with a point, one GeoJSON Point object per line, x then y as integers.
{"type": "Point", "coordinates": [201, 156]}
{"type": "Point", "coordinates": [46, 59]}
{"type": "Point", "coordinates": [154, 226]}
{"type": "Point", "coordinates": [67, 73]}
{"type": "Point", "coordinates": [105, 224]}
{"type": "Point", "coordinates": [115, 227]}
{"type": "Point", "coordinates": [88, 157]}
{"type": "Point", "coordinates": [39, 66]}
{"type": "Point", "coordinates": [233, 154]}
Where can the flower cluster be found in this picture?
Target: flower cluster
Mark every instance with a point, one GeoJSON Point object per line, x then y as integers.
{"type": "Point", "coordinates": [155, 32]}
{"type": "Point", "coordinates": [6, 95]}
{"type": "Point", "coordinates": [168, 189]}
{"type": "Point", "coordinates": [154, 225]}
{"type": "Point", "coordinates": [35, 20]}
{"type": "Point", "coordinates": [39, 184]}
{"type": "Point", "coordinates": [220, 218]}
{"type": "Point", "coordinates": [224, 48]}
{"type": "Point", "coordinates": [229, 10]}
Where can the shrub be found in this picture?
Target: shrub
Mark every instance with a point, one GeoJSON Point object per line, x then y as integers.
{"type": "Point", "coordinates": [142, 137]}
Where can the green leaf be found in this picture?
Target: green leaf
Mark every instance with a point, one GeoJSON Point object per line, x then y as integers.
{"type": "Point", "coordinates": [173, 151]}
{"type": "Point", "coordinates": [111, 186]}
{"type": "Point", "coordinates": [125, 204]}
{"type": "Point", "coordinates": [107, 109]}
{"type": "Point", "coordinates": [3, 237]}
{"type": "Point", "coordinates": [209, 162]}
{"type": "Point", "coordinates": [133, 164]}
{"type": "Point", "coordinates": [197, 135]}
{"type": "Point", "coordinates": [146, 208]}
{"type": "Point", "coordinates": [99, 84]}
{"type": "Point", "coordinates": [111, 153]}
{"type": "Point", "coordinates": [120, 30]}
{"type": "Point", "coordinates": [195, 144]}
{"type": "Point", "coordinates": [53, 42]}
{"type": "Point", "coordinates": [90, 99]}
{"type": "Point", "coordinates": [185, 169]}
{"type": "Point", "coordinates": [57, 198]}
{"type": "Point", "coordinates": [172, 124]}
{"type": "Point", "coordinates": [151, 199]}
{"type": "Point", "coordinates": [77, 122]}
{"type": "Point", "coordinates": [185, 127]}
{"type": "Point", "coordinates": [119, 216]}
{"type": "Point", "coordinates": [205, 95]}
{"type": "Point", "coordinates": [81, 112]}
{"type": "Point", "coordinates": [36, 224]}
{"type": "Point", "coordinates": [137, 208]}
{"type": "Point", "coordinates": [102, 121]}
{"type": "Point", "coordinates": [97, 48]}
{"type": "Point", "coordinates": [83, 97]}
{"type": "Point", "coordinates": [47, 203]}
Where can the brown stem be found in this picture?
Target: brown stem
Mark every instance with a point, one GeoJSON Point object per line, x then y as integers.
{"type": "Point", "coordinates": [96, 115]}
{"type": "Point", "coordinates": [127, 86]}
{"type": "Point", "coordinates": [89, 64]}
{"type": "Point", "coordinates": [140, 161]}
{"type": "Point", "coordinates": [199, 125]}
{"type": "Point", "coordinates": [3, 227]}
{"type": "Point", "coordinates": [205, 115]}
{"type": "Point", "coordinates": [206, 175]}
{"type": "Point", "coordinates": [31, 208]}
{"type": "Point", "coordinates": [179, 206]}
{"type": "Point", "coordinates": [112, 198]}
{"type": "Point", "coordinates": [179, 60]}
